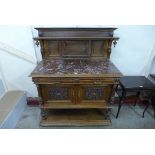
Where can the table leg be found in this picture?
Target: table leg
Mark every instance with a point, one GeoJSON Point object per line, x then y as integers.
{"type": "Point", "coordinates": [120, 103]}
{"type": "Point", "coordinates": [149, 102]}
{"type": "Point", "coordinates": [153, 105]}
{"type": "Point", "coordinates": [137, 95]}
{"type": "Point", "coordinates": [119, 107]}
{"type": "Point", "coordinates": [116, 87]}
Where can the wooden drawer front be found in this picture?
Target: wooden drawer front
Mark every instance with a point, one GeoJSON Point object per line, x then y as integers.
{"type": "Point", "coordinates": [75, 80]}
{"type": "Point", "coordinates": [57, 93]}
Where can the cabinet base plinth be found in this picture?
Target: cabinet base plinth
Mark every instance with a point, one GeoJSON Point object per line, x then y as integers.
{"type": "Point", "coordinates": [74, 117]}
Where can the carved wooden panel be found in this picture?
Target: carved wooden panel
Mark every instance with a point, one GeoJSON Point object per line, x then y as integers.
{"type": "Point", "coordinates": [97, 48]}
{"type": "Point", "coordinates": [58, 93]}
{"type": "Point", "coordinates": [53, 48]}
{"type": "Point", "coordinates": [75, 48]}
{"type": "Point", "coordinates": [93, 93]}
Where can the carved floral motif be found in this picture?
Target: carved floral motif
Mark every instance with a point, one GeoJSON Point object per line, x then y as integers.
{"type": "Point", "coordinates": [58, 93]}
{"type": "Point", "coordinates": [93, 93]}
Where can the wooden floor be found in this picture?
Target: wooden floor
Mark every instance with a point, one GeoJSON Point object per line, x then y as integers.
{"type": "Point", "coordinates": [78, 117]}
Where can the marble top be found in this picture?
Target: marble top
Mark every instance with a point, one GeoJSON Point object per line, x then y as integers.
{"type": "Point", "coordinates": [75, 67]}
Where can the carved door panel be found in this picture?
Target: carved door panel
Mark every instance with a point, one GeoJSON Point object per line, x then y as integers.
{"type": "Point", "coordinates": [94, 93]}
{"type": "Point", "coordinates": [58, 93]}
{"type": "Point", "coordinates": [75, 48]}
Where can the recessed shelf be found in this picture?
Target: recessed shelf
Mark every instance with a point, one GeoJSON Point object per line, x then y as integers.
{"type": "Point", "coordinates": [76, 117]}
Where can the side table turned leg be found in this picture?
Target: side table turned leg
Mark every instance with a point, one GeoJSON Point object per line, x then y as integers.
{"type": "Point", "coordinates": [153, 106]}
{"type": "Point", "coordinates": [120, 103]}
{"type": "Point", "coordinates": [149, 103]}
{"type": "Point", "coordinates": [154, 110]}
{"type": "Point", "coordinates": [119, 107]}
{"type": "Point", "coordinates": [137, 99]}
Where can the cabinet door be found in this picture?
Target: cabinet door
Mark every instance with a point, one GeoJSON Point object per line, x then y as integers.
{"type": "Point", "coordinates": [94, 93]}
{"type": "Point", "coordinates": [57, 95]}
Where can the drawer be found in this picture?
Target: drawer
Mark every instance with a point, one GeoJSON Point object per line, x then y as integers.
{"type": "Point", "coordinates": [76, 80]}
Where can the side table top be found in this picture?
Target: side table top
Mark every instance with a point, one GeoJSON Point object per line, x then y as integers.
{"type": "Point", "coordinates": [153, 76]}
{"type": "Point", "coordinates": [136, 82]}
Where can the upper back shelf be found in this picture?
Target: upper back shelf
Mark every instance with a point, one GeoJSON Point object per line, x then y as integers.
{"type": "Point", "coordinates": [75, 42]}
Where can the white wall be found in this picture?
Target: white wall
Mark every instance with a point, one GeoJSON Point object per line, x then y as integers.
{"type": "Point", "coordinates": [131, 54]}
{"type": "Point", "coordinates": [2, 89]}
{"type": "Point", "coordinates": [2, 83]}
{"type": "Point", "coordinates": [15, 69]}
{"type": "Point", "coordinates": [152, 69]}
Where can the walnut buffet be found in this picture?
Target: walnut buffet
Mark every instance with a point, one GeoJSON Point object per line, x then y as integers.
{"type": "Point", "coordinates": [75, 79]}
